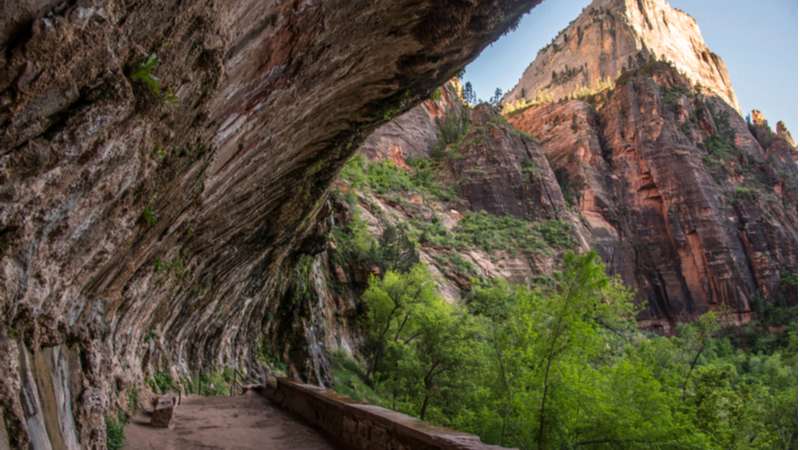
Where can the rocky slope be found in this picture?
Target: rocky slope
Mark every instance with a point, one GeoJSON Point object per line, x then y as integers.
{"type": "Point", "coordinates": [691, 206]}
{"type": "Point", "coordinates": [456, 189]}
{"type": "Point", "coordinates": [683, 201]}
{"type": "Point", "coordinates": [485, 204]}
{"type": "Point", "coordinates": [611, 36]}
{"type": "Point", "coordinates": [163, 165]}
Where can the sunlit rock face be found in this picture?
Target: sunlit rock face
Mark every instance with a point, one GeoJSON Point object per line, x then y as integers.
{"type": "Point", "coordinates": [152, 209]}
{"type": "Point", "coordinates": [612, 35]}
{"type": "Point", "coordinates": [778, 143]}
{"type": "Point", "coordinates": [682, 200]}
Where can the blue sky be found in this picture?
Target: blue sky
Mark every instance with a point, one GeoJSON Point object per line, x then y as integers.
{"type": "Point", "coordinates": [757, 40]}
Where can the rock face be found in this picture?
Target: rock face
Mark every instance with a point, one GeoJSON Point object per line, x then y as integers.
{"type": "Point", "coordinates": [611, 36]}
{"type": "Point", "coordinates": [163, 409]}
{"type": "Point", "coordinates": [162, 167]}
{"type": "Point", "coordinates": [779, 143]}
{"type": "Point", "coordinates": [681, 199]}
{"type": "Point", "coordinates": [503, 172]}
{"type": "Point", "coordinates": [485, 205]}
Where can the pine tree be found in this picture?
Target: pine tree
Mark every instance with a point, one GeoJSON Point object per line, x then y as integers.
{"type": "Point", "coordinates": [469, 94]}
{"type": "Point", "coordinates": [498, 95]}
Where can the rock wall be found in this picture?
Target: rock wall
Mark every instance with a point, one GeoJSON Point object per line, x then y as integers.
{"type": "Point", "coordinates": [490, 171]}
{"type": "Point", "coordinates": [681, 199]}
{"type": "Point", "coordinates": [609, 37]}
{"type": "Point", "coordinates": [163, 164]}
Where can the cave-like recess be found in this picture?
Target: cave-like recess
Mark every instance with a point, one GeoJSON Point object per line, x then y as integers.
{"type": "Point", "coordinates": [151, 225]}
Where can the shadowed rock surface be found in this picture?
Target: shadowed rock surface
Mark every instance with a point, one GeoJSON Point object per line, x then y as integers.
{"type": "Point", "coordinates": [163, 165]}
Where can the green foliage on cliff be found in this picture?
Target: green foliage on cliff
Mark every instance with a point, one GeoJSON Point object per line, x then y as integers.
{"type": "Point", "coordinates": [160, 383]}
{"type": "Point", "coordinates": [563, 365]}
{"type": "Point", "coordinates": [211, 383]}
{"type": "Point", "coordinates": [451, 130]}
{"type": "Point", "coordinates": [491, 233]}
{"type": "Point", "coordinates": [144, 73]}
{"type": "Point", "coordinates": [386, 177]}
{"type": "Point", "coordinates": [393, 250]}
{"type": "Point", "coordinates": [149, 216]}
{"type": "Point", "coordinates": [115, 431]}
{"type": "Point", "coordinates": [436, 95]}
{"type": "Point", "coordinates": [721, 146]}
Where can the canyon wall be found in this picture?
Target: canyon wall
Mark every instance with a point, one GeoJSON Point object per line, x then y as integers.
{"type": "Point", "coordinates": [692, 207]}
{"type": "Point", "coordinates": [611, 36]}
{"type": "Point", "coordinates": [681, 198]}
{"type": "Point", "coordinates": [163, 165]}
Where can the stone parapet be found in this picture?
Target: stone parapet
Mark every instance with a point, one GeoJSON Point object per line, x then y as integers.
{"type": "Point", "coordinates": [360, 426]}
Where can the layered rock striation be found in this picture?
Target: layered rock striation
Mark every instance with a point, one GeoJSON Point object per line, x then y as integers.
{"type": "Point", "coordinates": [611, 36]}
{"type": "Point", "coordinates": [681, 199]}
{"type": "Point", "coordinates": [459, 190]}
{"type": "Point", "coordinates": [163, 165]}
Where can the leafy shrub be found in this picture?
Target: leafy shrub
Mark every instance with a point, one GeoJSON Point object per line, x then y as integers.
{"type": "Point", "coordinates": [436, 95]}
{"type": "Point", "coordinates": [354, 171]}
{"type": "Point", "coordinates": [672, 95]}
{"type": "Point", "coordinates": [149, 216]}
{"type": "Point", "coordinates": [451, 130]}
{"type": "Point", "coordinates": [133, 399]}
{"type": "Point", "coordinates": [160, 152]}
{"type": "Point", "coordinates": [115, 432]}
{"type": "Point", "coordinates": [160, 383]}
{"type": "Point", "coordinates": [457, 264]}
{"type": "Point", "coordinates": [719, 149]}
{"type": "Point", "coordinates": [385, 177]}
{"type": "Point", "coordinates": [491, 232]}
{"type": "Point", "coordinates": [349, 378]}
{"type": "Point", "coordinates": [721, 146]}
{"type": "Point", "coordinates": [143, 73]}
{"type": "Point", "coordinates": [267, 358]}
{"type": "Point", "coordinates": [212, 384]}
{"type": "Point", "coordinates": [743, 192]}
{"type": "Point", "coordinates": [426, 179]}
{"type": "Point", "coordinates": [530, 168]}
{"type": "Point", "coordinates": [393, 251]}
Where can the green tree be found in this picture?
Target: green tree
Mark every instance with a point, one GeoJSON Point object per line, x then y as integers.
{"type": "Point", "coordinates": [469, 94]}
{"type": "Point", "coordinates": [394, 305]}
{"type": "Point", "coordinates": [498, 95]}
{"type": "Point", "coordinates": [561, 364]}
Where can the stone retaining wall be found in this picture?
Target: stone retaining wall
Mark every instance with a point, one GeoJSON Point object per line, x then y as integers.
{"type": "Point", "coordinates": [361, 426]}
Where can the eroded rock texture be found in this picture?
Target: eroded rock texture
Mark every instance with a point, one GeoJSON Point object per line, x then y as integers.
{"type": "Point", "coordinates": [611, 36]}
{"type": "Point", "coordinates": [681, 199]}
{"type": "Point", "coordinates": [455, 217]}
{"type": "Point", "coordinates": [151, 213]}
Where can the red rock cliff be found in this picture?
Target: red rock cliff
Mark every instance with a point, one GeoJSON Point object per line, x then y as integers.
{"type": "Point", "coordinates": [681, 199]}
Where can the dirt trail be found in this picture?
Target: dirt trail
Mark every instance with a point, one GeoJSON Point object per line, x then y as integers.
{"type": "Point", "coordinates": [241, 422]}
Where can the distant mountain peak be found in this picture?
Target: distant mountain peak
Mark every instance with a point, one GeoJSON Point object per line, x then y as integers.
{"type": "Point", "coordinates": [610, 36]}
